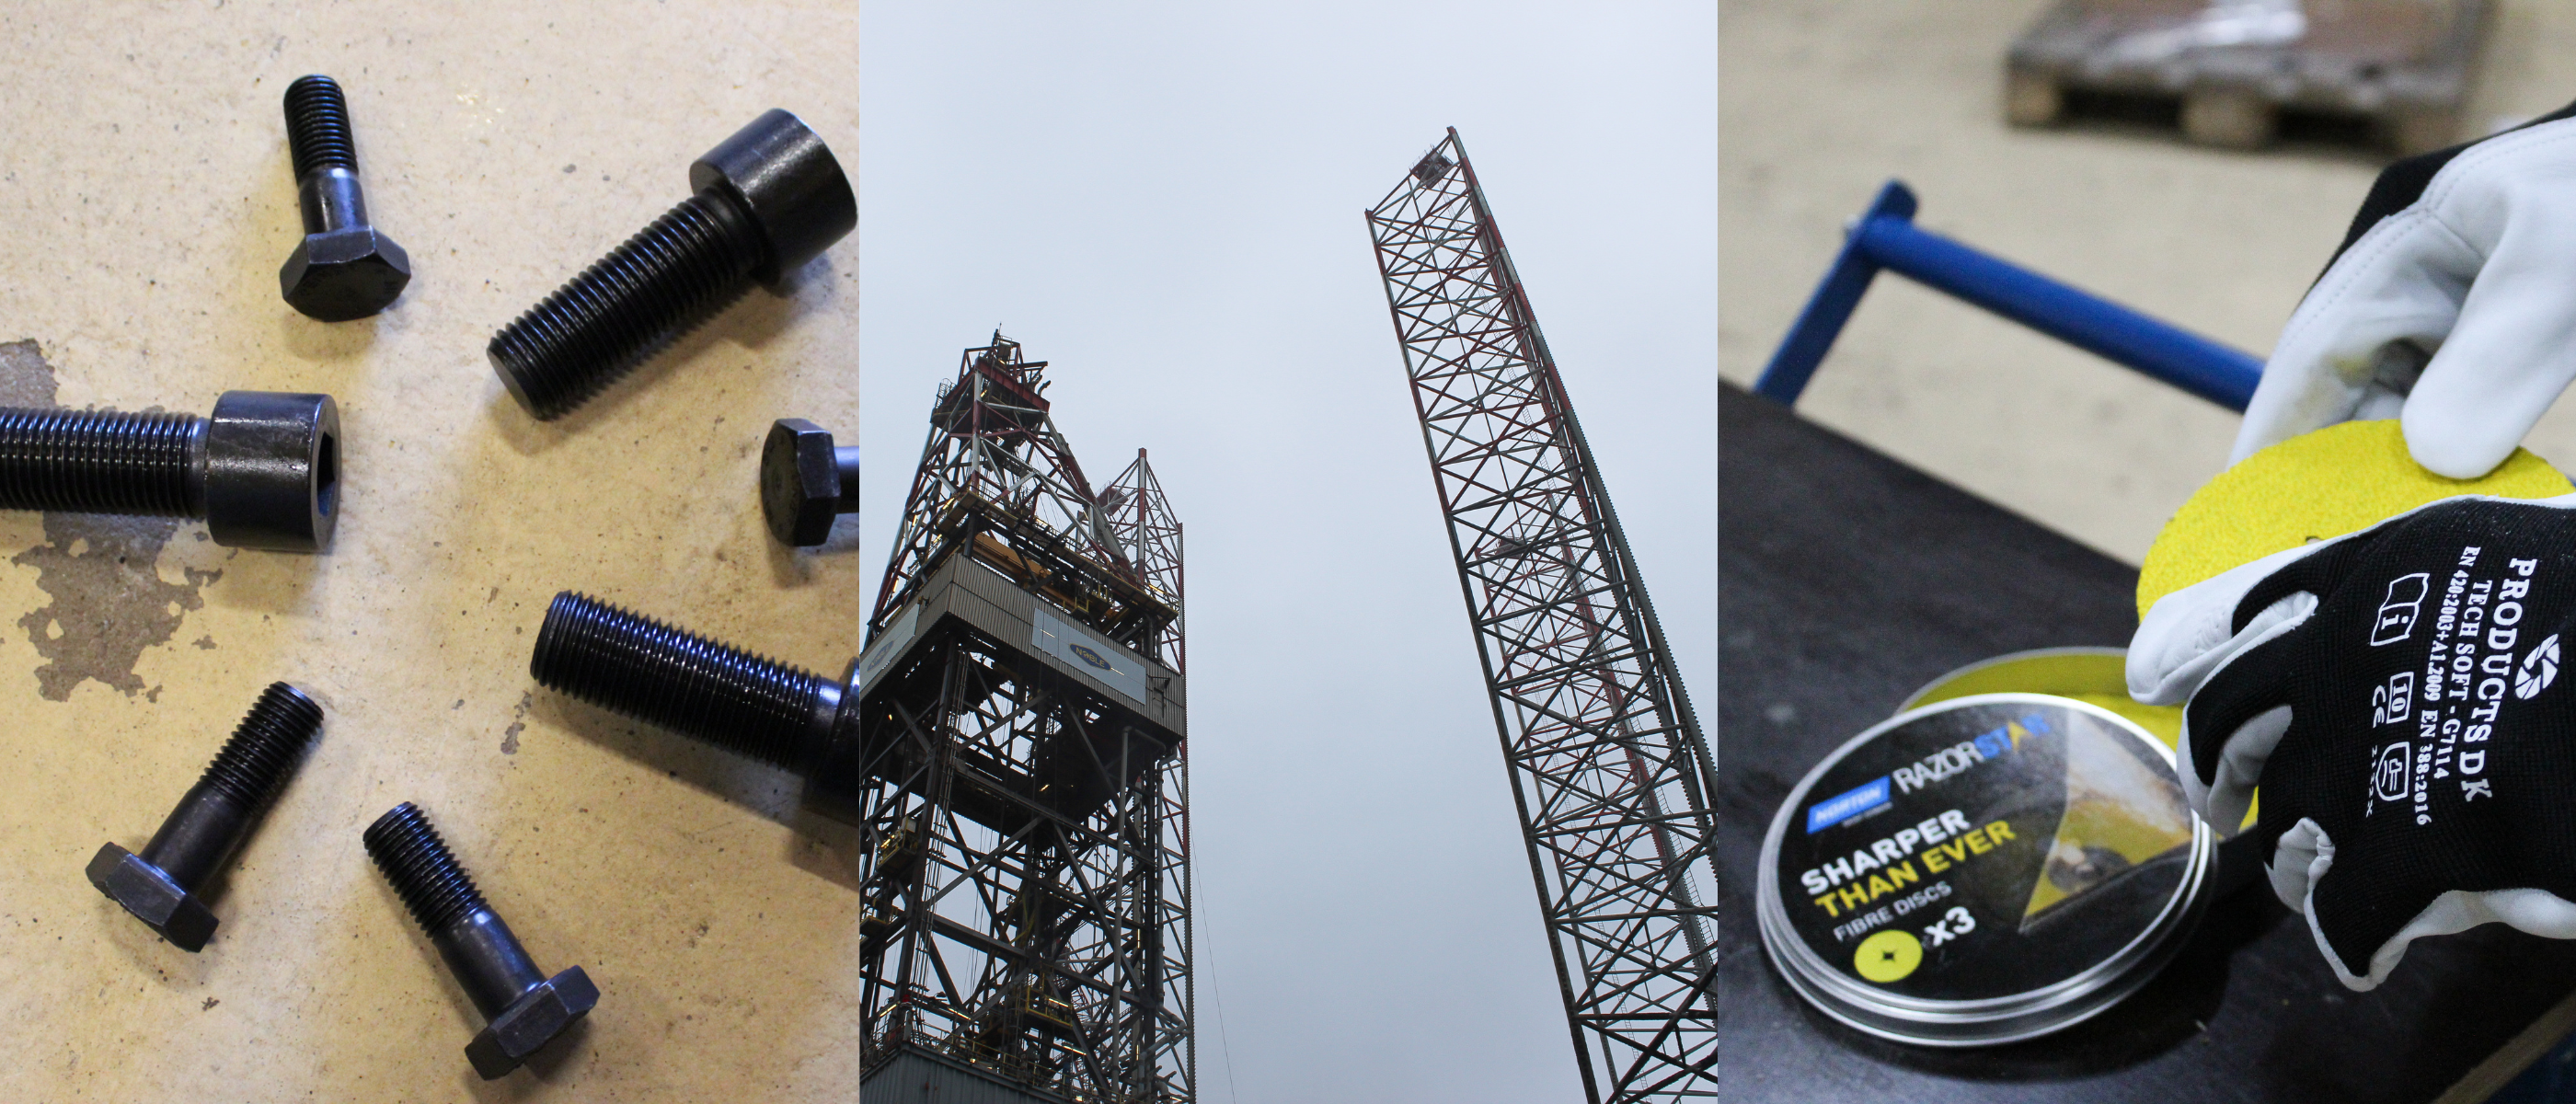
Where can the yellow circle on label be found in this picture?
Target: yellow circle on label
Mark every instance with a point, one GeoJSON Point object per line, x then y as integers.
{"type": "Point", "coordinates": [1888, 956]}
{"type": "Point", "coordinates": [2345, 477]}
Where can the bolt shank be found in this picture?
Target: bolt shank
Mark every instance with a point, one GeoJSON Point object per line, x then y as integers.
{"type": "Point", "coordinates": [102, 461]}
{"type": "Point", "coordinates": [640, 668]}
{"type": "Point", "coordinates": [488, 960]}
{"type": "Point", "coordinates": [846, 459]}
{"type": "Point", "coordinates": [199, 837]}
{"type": "Point", "coordinates": [331, 200]}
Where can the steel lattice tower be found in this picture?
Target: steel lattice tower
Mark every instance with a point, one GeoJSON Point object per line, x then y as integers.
{"type": "Point", "coordinates": [1607, 763]}
{"type": "Point", "coordinates": [1027, 881]}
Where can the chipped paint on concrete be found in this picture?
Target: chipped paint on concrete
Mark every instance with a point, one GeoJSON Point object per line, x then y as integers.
{"type": "Point", "coordinates": [109, 600]}
{"type": "Point", "coordinates": [518, 724]}
{"type": "Point", "coordinates": [25, 378]}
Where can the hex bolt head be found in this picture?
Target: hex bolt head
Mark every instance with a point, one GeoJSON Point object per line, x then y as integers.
{"type": "Point", "coordinates": [526, 1009]}
{"type": "Point", "coordinates": [264, 472]}
{"type": "Point", "coordinates": [345, 268]}
{"type": "Point", "coordinates": [144, 890]}
{"type": "Point", "coordinates": [529, 1023]}
{"type": "Point", "coordinates": [805, 482]}
{"type": "Point", "coordinates": [344, 275]}
{"type": "Point", "coordinates": [160, 886]}
{"type": "Point", "coordinates": [768, 199]}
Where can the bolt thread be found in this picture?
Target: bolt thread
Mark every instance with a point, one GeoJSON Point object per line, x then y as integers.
{"type": "Point", "coordinates": [433, 885]}
{"type": "Point", "coordinates": [680, 681]}
{"type": "Point", "coordinates": [98, 461]}
{"type": "Point", "coordinates": [317, 126]}
{"type": "Point", "coordinates": [253, 765]}
{"type": "Point", "coordinates": [691, 263]}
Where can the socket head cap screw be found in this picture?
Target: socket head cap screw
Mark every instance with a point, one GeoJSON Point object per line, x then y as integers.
{"type": "Point", "coordinates": [346, 274]}
{"type": "Point", "coordinates": [176, 914]}
{"type": "Point", "coordinates": [273, 470]}
{"type": "Point", "coordinates": [532, 1021]}
{"type": "Point", "coordinates": [800, 485]}
{"type": "Point", "coordinates": [790, 183]}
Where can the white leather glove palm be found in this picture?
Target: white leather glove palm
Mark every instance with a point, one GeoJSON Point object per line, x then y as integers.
{"type": "Point", "coordinates": [2479, 270]}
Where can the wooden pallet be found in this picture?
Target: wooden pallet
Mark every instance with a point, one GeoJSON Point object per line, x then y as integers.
{"type": "Point", "coordinates": [2236, 65]}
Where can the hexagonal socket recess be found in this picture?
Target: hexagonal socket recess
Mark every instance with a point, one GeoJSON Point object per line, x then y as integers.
{"type": "Point", "coordinates": [161, 886]}
{"type": "Point", "coordinates": [805, 482]}
{"type": "Point", "coordinates": [526, 1008]}
{"type": "Point", "coordinates": [344, 268]}
{"type": "Point", "coordinates": [262, 472]}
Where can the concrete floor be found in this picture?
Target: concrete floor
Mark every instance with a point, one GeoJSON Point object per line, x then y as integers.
{"type": "Point", "coordinates": [145, 204]}
{"type": "Point", "coordinates": [1822, 101]}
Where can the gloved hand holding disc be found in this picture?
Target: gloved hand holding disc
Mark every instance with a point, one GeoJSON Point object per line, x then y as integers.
{"type": "Point", "coordinates": [2374, 645]}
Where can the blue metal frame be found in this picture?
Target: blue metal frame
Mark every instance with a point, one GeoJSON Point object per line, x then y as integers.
{"type": "Point", "coordinates": [1885, 237]}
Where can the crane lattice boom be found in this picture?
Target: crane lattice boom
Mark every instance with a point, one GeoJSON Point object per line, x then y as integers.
{"type": "Point", "coordinates": [1608, 766]}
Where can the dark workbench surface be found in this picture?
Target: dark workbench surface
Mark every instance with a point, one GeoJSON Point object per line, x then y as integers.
{"type": "Point", "coordinates": [1845, 581]}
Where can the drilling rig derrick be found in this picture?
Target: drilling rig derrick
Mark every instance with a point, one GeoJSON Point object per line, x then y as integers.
{"type": "Point", "coordinates": [1026, 928]}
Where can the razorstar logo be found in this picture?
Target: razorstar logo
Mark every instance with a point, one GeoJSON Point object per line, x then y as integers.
{"type": "Point", "coordinates": [2397, 614]}
{"type": "Point", "coordinates": [2538, 670]}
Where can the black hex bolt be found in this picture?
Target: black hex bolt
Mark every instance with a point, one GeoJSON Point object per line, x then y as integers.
{"type": "Point", "coordinates": [262, 472]}
{"type": "Point", "coordinates": [344, 269]}
{"type": "Point", "coordinates": [160, 886]}
{"type": "Point", "coordinates": [708, 691]}
{"type": "Point", "coordinates": [526, 1008]}
{"type": "Point", "coordinates": [805, 482]}
{"type": "Point", "coordinates": [768, 199]}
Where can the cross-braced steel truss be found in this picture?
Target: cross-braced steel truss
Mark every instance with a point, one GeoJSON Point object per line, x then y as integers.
{"type": "Point", "coordinates": [1027, 887]}
{"type": "Point", "coordinates": [1607, 762]}
{"type": "Point", "coordinates": [998, 479]}
{"type": "Point", "coordinates": [1141, 522]}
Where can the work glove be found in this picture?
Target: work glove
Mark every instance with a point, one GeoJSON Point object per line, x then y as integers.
{"type": "Point", "coordinates": [2451, 307]}
{"type": "Point", "coordinates": [2394, 692]}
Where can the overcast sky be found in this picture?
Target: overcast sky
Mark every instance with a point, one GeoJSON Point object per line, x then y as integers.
{"type": "Point", "coordinates": [1164, 201]}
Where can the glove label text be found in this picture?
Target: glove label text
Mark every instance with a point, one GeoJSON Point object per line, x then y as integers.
{"type": "Point", "coordinates": [2469, 667]}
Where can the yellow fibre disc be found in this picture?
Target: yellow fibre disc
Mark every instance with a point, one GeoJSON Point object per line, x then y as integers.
{"type": "Point", "coordinates": [2311, 487]}
{"type": "Point", "coordinates": [2096, 675]}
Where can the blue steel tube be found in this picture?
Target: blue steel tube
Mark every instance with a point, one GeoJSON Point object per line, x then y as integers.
{"type": "Point", "coordinates": [1821, 320]}
{"type": "Point", "coordinates": [1886, 237]}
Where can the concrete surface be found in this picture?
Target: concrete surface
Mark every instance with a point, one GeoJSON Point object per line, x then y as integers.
{"type": "Point", "coordinates": [1822, 101]}
{"type": "Point", "coordinates": [145, 205]}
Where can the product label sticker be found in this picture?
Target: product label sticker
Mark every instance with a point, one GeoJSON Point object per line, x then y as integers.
{"type": "Point", "coordinates": [1985, 850]}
